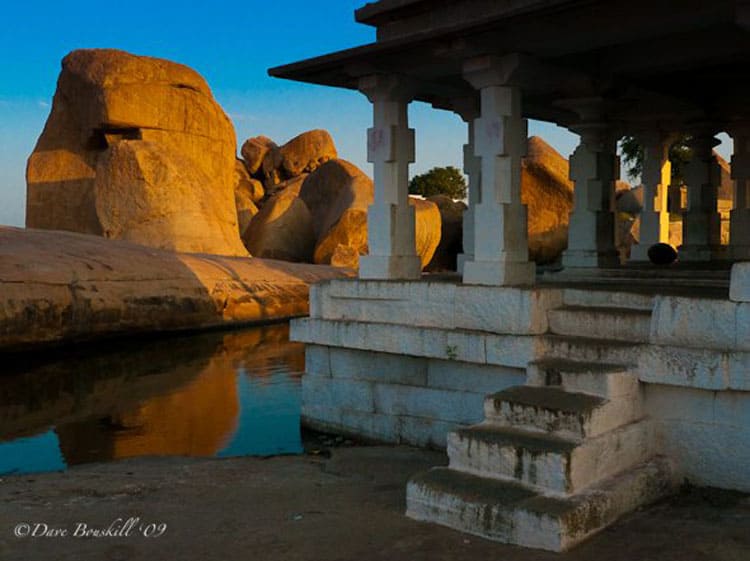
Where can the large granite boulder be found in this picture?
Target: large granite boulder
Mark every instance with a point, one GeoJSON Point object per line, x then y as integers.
{"type": "Point", "coordinates": [547, 191]}
{"type": "Point", "coordinates": [148, 194]}
{"type": "Point", "coordinates": [283, 228]}
{"type": "Point", "coordinates": [254, 151]}
{"type": "Point", "coordinates": [428, 228]}
{"type": "Point", "coordinates": [338, 195]}
{"type": "Point", "coordinates": [451, 237]}
{"type": "Point", "coordinates": [247, 193]}
{"type": "Point", "coordinates": [307, 152]}
{"type": "Point", "coordinates": [104, 97]}
{"type": "Point", "coordinates": [334, 188]}
{"type": "Point", "coordinates": [273, 165]}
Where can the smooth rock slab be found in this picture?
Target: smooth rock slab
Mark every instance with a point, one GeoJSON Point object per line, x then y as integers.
{"type": "Point", "coordinates": [61, 286]}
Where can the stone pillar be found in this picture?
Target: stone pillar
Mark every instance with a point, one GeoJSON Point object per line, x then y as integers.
{"type": "Point", "coordinates": [594, 168]}
{"type": "Point", "coordinates": [468, 110]}
{"type": "Point", "coordinates": [739, 223]}
{"type": "Point", "coordinates": [501, 251]}
{"type": "Point", "coordinates": [701, 222]}
{"type": "Point", "coordinates": [656, 179]}
{"type": "Point", "coordinates": [390, 148]}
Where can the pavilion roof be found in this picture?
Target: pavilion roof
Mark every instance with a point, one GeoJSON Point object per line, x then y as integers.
{"type": "Point", "coordinates": [672, 59]}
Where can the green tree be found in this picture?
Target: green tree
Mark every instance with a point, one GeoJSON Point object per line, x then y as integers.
{"type": "Point", "coordinates": [439, 181]}
{"type": "Point", "coordinates": [679, 154]}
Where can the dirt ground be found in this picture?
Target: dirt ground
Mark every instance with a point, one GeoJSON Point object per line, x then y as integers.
{"type": "Point", "coordinates": [348, 506]}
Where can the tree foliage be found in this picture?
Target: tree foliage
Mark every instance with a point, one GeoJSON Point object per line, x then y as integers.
{"type": "Point", "coordinates": [679, 154]}
{"type": "Point", "coordinates": [439, 181]}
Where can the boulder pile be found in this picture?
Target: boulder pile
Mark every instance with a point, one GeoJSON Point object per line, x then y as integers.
{"type": "Point", "coordinates": [315, 205]}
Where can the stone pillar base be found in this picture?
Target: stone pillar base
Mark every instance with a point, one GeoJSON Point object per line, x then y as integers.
{"type": "Point", "coordinates": [499, 273]}
{"type": "Point", "coordinates": [590, 258]}
{"type": "Point", "coordinates": [461, 260]}
{"type": "Point", "coordinates": [390, 267]}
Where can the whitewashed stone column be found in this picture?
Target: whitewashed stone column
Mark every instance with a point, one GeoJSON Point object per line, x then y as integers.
{"type": "Point", "coordinates": [739, 223]}
{"type": "Point", "coordinates": [468, 110]}
{"type": "Point", "coordinates": [594, 168]}
{"type": "Point", "coordinates": [390, 148]}
{"type": "Point", "coordinates": [701, 222]}
{"type": "Point", "coordinates": [656, 178]}
{"type": "Point", "coordinates": [501, 251]}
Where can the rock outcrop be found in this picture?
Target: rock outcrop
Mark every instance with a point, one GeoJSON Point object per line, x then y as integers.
{"type": "Point", "coordinates": [254, 151]}
{"type": "Point", "coordinates": [150, 195]}
{"type": "Point", "coordinates": [451, 236]}
{"type": "Point", "coordinates": [307, 152]}
{"type": "Point", "coordinates": [61, 286]}
{"type": "Point", "coordinates": [547, 191]}
{"type": "Point", "coordinates": [105, 97]}
{"type": "Point", "coordinates": [428, 228]}
{"type": "Point", "coordinates": [338, 194]}
{"type": "Point", "coordinates": [283, 228]}
{"type": "Point", "coordinates": [274, 165]}
{"type": "Point", "coordinates": [247, 193]}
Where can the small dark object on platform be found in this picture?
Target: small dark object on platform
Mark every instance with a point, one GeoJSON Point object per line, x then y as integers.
{"type": "Point", "coordinates": [662, 254]}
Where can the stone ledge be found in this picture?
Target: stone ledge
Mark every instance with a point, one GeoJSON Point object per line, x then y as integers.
{"type": "Point", "coordinates": [443, 304]}
{"type": "Point", "coordinates": [694, 368]}
{"type": "Point", "coordinates": [460, 345]}
{"type": "Point", "coordinates": [701, 323]}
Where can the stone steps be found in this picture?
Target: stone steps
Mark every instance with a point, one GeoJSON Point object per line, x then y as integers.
{"type": "Point", "coordinates": [547, 463]}
{"type": "Point", "coordinates": [610, 323]}
{"type": "Point", "coordinates": [590, 350]}
{"type": "Point", "coordinates": [565, 455]}
{"type": "Point", "coordinates": [512, 513]}
{"type": "Point", "coordinates": [559, 412]}
{"type": "Point", "coordinates": [610, 381]}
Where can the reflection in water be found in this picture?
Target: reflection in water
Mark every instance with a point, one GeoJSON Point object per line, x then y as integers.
{"type": "Point", "coordinates": [223, 394]}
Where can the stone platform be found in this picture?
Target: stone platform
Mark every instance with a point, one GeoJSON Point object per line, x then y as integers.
{"type": "Point", "coordinates": [561, 406]}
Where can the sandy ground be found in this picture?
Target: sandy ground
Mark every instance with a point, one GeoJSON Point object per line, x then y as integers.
{"type": "Point", "coordinates": [346, 507]}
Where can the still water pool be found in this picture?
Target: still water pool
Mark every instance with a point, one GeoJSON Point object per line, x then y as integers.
{"type": "Point", "coordinates": [212, 394]}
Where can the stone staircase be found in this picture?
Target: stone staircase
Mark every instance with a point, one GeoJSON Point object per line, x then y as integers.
{"type": "Point", "coordinates": [565, 455]}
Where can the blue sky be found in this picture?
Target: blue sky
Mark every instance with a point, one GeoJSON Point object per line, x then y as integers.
{"type": "Point", "coordinates": [231, 44]}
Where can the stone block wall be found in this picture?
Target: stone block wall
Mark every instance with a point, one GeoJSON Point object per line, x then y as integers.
{"type": "Point", "coordinates": [707, 432]}
{"type": "Point", "coordinates": [396, 398]}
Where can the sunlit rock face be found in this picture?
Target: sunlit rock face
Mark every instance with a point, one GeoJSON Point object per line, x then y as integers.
{"type": "Point", "coordinates": [105, 97]}
{"type": "Point", "coordinates": [283, 228]}
{"type": "Point", "coordinates": [547, 191]}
